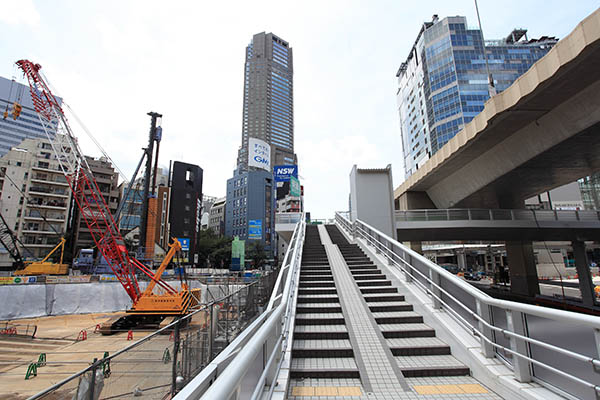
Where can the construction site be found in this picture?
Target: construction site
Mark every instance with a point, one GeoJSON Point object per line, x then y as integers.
{"type": "Point", "coordinates": [121, 317]}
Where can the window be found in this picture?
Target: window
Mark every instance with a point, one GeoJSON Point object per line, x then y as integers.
{"type": "Point", "coordinates": [187, 208]}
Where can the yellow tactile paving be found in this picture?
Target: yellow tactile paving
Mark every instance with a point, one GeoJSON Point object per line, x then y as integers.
{"type": "Point", "coordinates": [473, 388]}
{"type": "Point", "coordinates": [326, 391]}
{"type": "Point", "coordinates": [349, 391]}
{"type": "Point", "coordinates": [303, 391]}
{"type": "Point", "coordinates": [450, 389]}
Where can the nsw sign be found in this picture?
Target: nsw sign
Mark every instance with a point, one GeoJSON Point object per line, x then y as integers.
{"type": "Point", "coordinates": [283, 173]}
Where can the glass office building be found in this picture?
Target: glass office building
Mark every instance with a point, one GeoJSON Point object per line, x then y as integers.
{"type": "Point", "coordinates": [27, 125]}
{"type": "Point", "coordinates": [268, 112]}
{"type": "Point", "coordinates": [443, 84]}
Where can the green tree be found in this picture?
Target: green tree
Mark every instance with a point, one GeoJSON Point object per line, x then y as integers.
{"type": "Point", "coordinates": [256, 253]}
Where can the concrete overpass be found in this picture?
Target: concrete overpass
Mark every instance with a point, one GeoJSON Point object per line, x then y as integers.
{"type": "Point", "coordinates": [540, 133]}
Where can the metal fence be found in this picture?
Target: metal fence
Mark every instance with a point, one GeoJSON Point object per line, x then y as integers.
{"type": "Point", "coordinates": [556, 348]}
{"type": "Point", "coordinates": [251, 366]}
{"type": "Point", "coordinates": [161, 363]}
{"type": "Point", "coordinates": [476, 214]}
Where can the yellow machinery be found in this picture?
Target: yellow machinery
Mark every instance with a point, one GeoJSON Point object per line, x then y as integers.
{"type": "Point", "coordinates": [46, 267]}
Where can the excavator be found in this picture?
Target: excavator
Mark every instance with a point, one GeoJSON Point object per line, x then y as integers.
{"type": "Point", "coordinates": [159, 300]}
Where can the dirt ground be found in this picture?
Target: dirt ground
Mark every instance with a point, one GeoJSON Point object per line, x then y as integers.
{"type": "Point", "coordinates": [56, 336]}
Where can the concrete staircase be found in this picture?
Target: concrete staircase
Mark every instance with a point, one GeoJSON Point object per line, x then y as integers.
{"type": "Point", "coordinates": [416, 349]}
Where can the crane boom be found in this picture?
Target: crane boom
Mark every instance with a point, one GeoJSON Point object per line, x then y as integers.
{"type": "Point", "coordinates": [90, 201]}
{"type": "Point", "coordinates": [147, 307]}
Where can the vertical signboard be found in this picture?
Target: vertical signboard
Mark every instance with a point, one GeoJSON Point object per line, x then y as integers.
{"type": "Point", "coordinates": [255, 229]}
{"type": "Point", "coordinates": [238, 248]}
{"type": "Point", "coordinates": [294, 187]}
{"type": "Point", "coordinates": [259, 154]}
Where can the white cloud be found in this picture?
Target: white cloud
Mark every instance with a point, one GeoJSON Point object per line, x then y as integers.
{"type": "Point", "coordinates": [19, 12]}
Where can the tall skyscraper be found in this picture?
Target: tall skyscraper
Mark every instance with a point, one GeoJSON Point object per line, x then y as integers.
{"type": "Point", "coordinates": [27, 125]}
{"type": "Point", "coordinates": [443, 84]}
{"type": "Point", "coordinates": [268, 112]}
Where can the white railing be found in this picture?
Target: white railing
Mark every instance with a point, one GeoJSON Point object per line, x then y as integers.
{"type": "Point", "coordinates": [288, 218]}
{"type": "Point", "coordinates": [477, 214]}
{"type": "Point", "coordinates": [249, 367]}
{"type": "Point", "coordinates": [559, 349]}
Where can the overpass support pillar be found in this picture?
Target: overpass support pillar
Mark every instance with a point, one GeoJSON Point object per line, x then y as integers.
{"type": "Point", "coordinates": [462, 260]}
{"type": "Point", "coordinates": [586, 286]}
{"type": "Point", "coordinates": [522, 268]}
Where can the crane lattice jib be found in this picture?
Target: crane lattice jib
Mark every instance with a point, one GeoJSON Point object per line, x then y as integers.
{"type": "Point", "coordinates": [87, 195]}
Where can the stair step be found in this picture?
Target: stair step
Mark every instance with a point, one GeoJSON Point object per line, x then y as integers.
{"type": "Point", "coordinates": [410, 330]}
{"type": "Point", "coordinates": [324, 309]}
{"type": "Point", "coordinates": [325, 320]}
{"type": "Point", "coordinates": [387, 289]}
{"type": "Point", "coordinates": [334, 367]}
{"type": "Point", "coordinates": [315, 272]}
{"type": "Point", "coordinates": [314, 284]}
{"type": "Point", "coordinates": [398, 317]}
{"type": "Point", "coordinates": [302, 291]}
{"type": "Point", "coordinates": [374, 283]}
{"type": "Point", "coordinates": [365, 272]}
{"type": "Point", "coordinates": [316, 277]}
{"type": "Point", "coordinates": [421, 351]}
{"type": "Point", "coordinates": [317, 298]}
{"type": "Point", "coordinates": [421, 372]}
{"type": "Point", "coordinates": [322, 348]}
{"type": "Point", "coordinates": [390, 306]}
{"type": "Point", "coordinates": [383, 297]}
{"type": "Point", "coordinates": [365, 266]}
{"type": "Point", "coordinates": [316, 268]}
{"type": "Point", "coordinates": [315, 332]}
{"type": "Point", "coordinates": [368, 277]}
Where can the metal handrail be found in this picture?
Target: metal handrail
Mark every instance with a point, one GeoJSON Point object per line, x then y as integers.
{"type": "Point", "coordinates": [481, 214]}
{"type": "Point", "coordinates": [272, 327]}
{"type": "Point", "coordinates": [386, 245]}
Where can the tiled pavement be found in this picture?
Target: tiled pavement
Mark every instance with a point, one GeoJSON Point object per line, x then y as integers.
{"type": "Point", "coordinates": [356, 338]}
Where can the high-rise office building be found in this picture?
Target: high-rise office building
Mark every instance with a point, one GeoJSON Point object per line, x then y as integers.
{"type": "Point", "coordinates": [268, 112]}
{"type": "Point", "coordinates": [443, 84]}
{"type": "Point", "coordinates": [26, 125]}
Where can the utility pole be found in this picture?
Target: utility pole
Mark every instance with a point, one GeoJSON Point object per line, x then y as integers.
{"type": "Point", "coordinates": [491, 88]}
{"type": "Point", "coordinates": [154, 123]}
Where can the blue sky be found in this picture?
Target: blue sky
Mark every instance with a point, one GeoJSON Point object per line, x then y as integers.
{"type": "Point", "coordinates": [113, 61]}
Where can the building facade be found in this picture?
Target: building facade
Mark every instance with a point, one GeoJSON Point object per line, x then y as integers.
{"type": "Point", "coordinates": [268, 111]}
{"type": "Point", "coordinates": [249, 211]}
{"type": "Point", "coordinates": [107, 179]}
{"type": "Point", "coordinates": [443, 84]}
{"type": "Point", "coordinates": [216, 221]}
{"type": "Point", "coordinates": [34, 198]}
{"type": "Point", "coordinates": [185, 205]}
{"type": "Point", "coordinates": [26, 125]}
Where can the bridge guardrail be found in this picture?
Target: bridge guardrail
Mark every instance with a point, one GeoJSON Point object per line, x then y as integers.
{"type": "Point", "coordinates": [556, 348]}
{"type": "Point", "coordinates": [476, 214]}
{"type": "Point", "coordinates": [254, 360]}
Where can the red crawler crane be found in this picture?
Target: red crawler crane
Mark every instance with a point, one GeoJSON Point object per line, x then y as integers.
{"type": "Point", "coordinates": [148, 307]}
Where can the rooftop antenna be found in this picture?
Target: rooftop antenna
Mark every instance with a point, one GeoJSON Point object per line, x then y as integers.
{"type": "Point", "coordinates": [491, 88]}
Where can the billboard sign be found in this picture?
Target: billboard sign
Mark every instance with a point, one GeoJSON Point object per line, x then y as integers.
{"type": "Point", "coordinates": [255, 229]}
{"type": "Point", "coordinates": [295, 190]}
{"type": "Point", "coordinates": [259, 154]}
{"type": "Point", "coordinates": [283, 173]}
{"type": "Point", "coordinates": [185, 244]}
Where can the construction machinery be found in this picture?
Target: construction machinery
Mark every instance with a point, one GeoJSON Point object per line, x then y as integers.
{"type": "Point", "coordinates": [159, 300]}
{"type": "Point", "coordinates": [45, 267]}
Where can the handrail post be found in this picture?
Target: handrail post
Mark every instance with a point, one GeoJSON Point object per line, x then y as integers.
{"type": "Point", "coordinates": [435, 290]}
{"type": "Point", "coordinates": [377, 238]}
{"type": "Point", "coordinates": [390, 252]}
{"type": "Point", "coordinates": [483, 310]}
{"type": "Point", "coordinates": [516, 323]}
{"type": "Point", "coordinates": [408, 273]}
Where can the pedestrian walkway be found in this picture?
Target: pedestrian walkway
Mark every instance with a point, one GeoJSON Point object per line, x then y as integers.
{"type": "Point", "coordinates": [357, 338]}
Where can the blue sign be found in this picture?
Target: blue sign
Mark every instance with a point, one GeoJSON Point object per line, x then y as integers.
{"type": "Point", "coordinates": [185, 244]}
{"type": "Point", "coordinates": [283, 173]}
{"type": "Point", "coordinates": [255, 229]}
